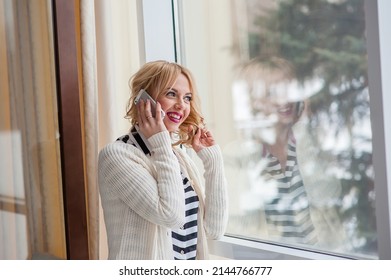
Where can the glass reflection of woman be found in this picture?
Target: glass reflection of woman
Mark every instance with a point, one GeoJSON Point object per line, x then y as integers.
{"type": "Point", "coordinates": [298, 196]}
{"type": "Point", "coordinates": [287, 214]}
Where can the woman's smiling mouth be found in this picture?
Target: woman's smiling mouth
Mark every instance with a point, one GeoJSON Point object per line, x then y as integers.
{"type": "Point", "coordinates": [174, 117]}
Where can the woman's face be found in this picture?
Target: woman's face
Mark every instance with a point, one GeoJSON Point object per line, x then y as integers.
{"type": "Point", "coordinates": [175, 102]}
{"type": "Point", "coordinates": [283, 113]}
{"type": "Point", "coordinates": [287, 113]}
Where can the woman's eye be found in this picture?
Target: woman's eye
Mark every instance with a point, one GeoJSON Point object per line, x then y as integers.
{"type": "Point", "coordinates": [188, 98]}
{"type": "Point", "coordinates": [170, 93]}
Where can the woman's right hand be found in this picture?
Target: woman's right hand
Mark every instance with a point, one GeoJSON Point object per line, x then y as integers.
{"type": "Point", "coordinates": [202, 138]}
{"type": "Point", "coordinates": [148, 124]}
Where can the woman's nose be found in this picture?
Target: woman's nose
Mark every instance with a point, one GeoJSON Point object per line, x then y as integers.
{"type": "Point", "coordinates": [179, 104]}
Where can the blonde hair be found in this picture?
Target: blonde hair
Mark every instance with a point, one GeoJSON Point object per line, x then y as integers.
{"type": "Point", "coordinates": [271, 70]}
{"type": "Point", "coordinates": [155, 77]}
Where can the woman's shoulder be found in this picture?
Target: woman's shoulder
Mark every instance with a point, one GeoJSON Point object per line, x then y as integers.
{"type": "Point", "coordinates": [120, 143]}
{"type": "Point", "coordinates": [122, 147]}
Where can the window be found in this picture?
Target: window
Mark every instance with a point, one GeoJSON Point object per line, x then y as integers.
{"type": "Point", "coordinates": [301, 110]}
{"type": "Point", "coordinates": [304, 56]}
{"type": "Point", "coordinates": [321, 60]}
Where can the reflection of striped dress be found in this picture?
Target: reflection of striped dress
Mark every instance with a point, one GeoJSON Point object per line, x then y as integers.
{"type": "Point", "coordinates": [185, 239]}
{"type": "Point", "coordinates": [288, 214]}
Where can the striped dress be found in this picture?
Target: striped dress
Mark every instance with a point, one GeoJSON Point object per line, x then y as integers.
{"type": "Point", "coordinates": [184, 239]}
{"type": "Point", "coordinates": [288, 214]}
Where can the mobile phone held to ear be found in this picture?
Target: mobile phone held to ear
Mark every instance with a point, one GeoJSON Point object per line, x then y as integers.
{"type": "Point", "coordinates": [143, 95]}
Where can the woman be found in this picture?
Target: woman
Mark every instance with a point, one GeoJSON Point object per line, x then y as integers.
{"type": "Point", "coordinates": [154, 203]}
{"type": "Point", "coordinates": [287, 192]}
{"type": "Point", "coordinates": [288, 213]}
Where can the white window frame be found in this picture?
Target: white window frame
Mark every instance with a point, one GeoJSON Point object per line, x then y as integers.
{"type": "Point", "coordinates": [160, 21]}
{"type": "Point", "coordinates": [378, 17]}
{"type": "Point", "coordinates": [156, 30]}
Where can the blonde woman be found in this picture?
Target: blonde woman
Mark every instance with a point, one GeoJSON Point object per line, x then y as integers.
{"type": "Point", "coordinates": [156, 205]}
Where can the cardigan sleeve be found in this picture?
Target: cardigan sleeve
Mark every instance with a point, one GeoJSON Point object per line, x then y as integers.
{"type": "Point", "coordinates": [216, 197]}
{"type": "Point", "coordinates": [127, 176]}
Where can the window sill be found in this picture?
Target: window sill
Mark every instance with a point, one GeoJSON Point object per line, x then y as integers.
{"type": "Point", "coordinates": [241, 249]}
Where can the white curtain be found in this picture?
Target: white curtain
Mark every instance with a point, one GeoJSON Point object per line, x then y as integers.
{"type": "Point", "coordinates": [110, 54]}
{"type": "Point", "coordinates": [31, 209]}
{"type": "Point", "coordinates": [90, 123]}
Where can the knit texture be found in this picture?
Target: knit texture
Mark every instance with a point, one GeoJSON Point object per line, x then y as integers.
{"type": "Point", "coordinates": [143, 199]}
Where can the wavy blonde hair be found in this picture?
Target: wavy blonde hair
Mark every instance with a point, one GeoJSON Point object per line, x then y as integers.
{"type": "Point", "coordinates": [155, 77]}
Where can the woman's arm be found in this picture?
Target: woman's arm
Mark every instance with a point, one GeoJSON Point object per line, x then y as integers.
{"type": "Point", "coordinates": [216, 197]}
{"type": "Point", "coordinates": [129, 176]}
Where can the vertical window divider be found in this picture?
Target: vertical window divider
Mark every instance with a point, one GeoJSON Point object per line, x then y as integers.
{"type": "Point", "coordinates": [71, 142]}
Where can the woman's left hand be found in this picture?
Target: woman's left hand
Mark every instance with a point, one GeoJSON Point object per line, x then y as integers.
{"type": "Point", "coordinates": [203, 138]}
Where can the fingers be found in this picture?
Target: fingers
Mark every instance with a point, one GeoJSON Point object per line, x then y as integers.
{"type": "Point", "coordinates": [158, 114]}
{"type": "Point", "coordinates": [145, 113]}
{"type": "Point", "coordinates": [201, 132]}
{"type": "Point", "coordinates": [207, 138]}
{"type": "Point", "coordinates": [204, 133]}
{"type": "Point", "coordinates": [197, 132]}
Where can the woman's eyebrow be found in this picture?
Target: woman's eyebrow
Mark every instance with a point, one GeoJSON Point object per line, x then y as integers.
{"type": "Point", "coordinates": [173, 89]}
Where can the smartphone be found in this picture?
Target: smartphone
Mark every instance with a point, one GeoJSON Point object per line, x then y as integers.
{"type": "Point", "coordinates": [143, 95]}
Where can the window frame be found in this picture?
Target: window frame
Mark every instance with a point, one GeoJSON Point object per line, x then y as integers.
{"type": "Point", "coordinates": [65, 19]}
{"type": "Point", "coordinates": [379, 63]}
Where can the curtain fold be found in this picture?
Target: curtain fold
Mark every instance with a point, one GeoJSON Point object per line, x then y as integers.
{"type": "Point", "coordinates": [90, 107]}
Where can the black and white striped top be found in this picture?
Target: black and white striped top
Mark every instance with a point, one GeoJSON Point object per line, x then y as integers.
{"type": "Point", "coordinates": [288, 214]}
{"type": "Point", "coordinates": [184, 239]}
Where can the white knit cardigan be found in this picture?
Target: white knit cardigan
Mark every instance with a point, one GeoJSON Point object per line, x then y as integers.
{"type": "Point", "coordinates": [143, 199]}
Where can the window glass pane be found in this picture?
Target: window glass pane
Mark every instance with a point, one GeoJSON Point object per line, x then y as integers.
{"type": "Point", "coordinates": [284, 86]}
{"type": "Point", "coordinates": [31, 209]}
